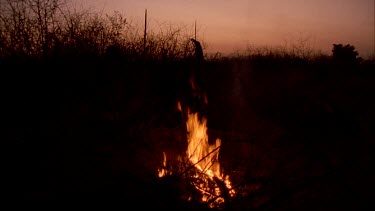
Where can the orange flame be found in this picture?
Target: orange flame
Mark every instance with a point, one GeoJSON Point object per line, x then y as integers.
{"type": "Point", "coordinates": [199, 151]}
{"type": "Point", "coordinates": [204, 157]}
{"type": "Point", "coordinates": [163, 171]}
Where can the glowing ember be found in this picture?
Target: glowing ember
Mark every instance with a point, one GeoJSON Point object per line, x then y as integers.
{"type": "Point", "coordinates": [203, 160]}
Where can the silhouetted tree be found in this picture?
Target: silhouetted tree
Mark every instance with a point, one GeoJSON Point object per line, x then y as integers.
{"type": "Point", "coordinates": [28, 26]}
{"type": "Point", "coordinates": [344, 53]}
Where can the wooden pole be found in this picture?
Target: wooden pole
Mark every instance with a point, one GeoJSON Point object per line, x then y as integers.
{"type": "Point", "coordinates": [195, 30]}
{"type": "Point", "coordinates": [145, 32]}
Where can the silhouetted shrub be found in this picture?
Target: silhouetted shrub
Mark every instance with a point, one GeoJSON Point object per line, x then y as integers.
{"type": "Point", "coordinates": [51, 28]}
{"type": "Point", "coordinates": [344, 53]}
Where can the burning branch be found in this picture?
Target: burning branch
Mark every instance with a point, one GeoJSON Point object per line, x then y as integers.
{"type": "Point", "coordinates": [194, 165]}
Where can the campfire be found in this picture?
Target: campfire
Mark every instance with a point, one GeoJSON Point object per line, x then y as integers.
{"type": "Point", "coordinates": [199, 165]}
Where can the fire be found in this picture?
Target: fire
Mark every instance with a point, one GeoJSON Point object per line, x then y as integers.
{"type": "Point", "coordinates": [204, 155]}
{"type": "Point", "coordinates": [162, 171]}
{"type": "Point", "coordinates": [203, 160]}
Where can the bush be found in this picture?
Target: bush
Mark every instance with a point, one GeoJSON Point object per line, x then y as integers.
{"type": "Point", "coordinates": [344, 53]}
{"type": "Point", "coordinates": [51, 28]}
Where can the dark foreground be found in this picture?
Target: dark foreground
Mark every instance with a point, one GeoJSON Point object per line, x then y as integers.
{"type": "Point", "coordinates": [295, 136]}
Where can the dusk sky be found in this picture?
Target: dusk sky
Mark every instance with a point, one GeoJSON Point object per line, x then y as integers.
{"type": "Point", "coordinates": [227, 26]}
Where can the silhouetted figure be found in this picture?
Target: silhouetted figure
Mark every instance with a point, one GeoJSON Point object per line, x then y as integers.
{"type": "Point", "coordinates": [198, 50]}
{"type": "Point", "coordinates": [193, 95]}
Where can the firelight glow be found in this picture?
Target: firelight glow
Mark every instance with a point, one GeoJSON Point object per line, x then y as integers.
{"type": "Point", "coordinates": [227, 26]}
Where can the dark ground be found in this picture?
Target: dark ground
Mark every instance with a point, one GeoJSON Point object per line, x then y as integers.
{"type": "Point", "coordinates": [295, 136]}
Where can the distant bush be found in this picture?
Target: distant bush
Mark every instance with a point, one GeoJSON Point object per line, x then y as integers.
{"type": "Point", "coordinates": [345, 53]}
